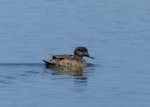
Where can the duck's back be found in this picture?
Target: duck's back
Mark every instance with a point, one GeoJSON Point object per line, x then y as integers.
{"type": "Point", "coordinates": [66, 60]}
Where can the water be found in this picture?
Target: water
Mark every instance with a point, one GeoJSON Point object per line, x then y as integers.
{"type": "Point", "coordinates": [115, 32]}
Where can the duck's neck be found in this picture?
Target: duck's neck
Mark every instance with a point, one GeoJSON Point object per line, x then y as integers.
{"type": "Point", "coordinates": [79, 56]}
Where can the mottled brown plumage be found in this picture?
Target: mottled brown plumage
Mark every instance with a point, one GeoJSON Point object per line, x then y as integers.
{"type": "Point", "coordinates": [75, 60]}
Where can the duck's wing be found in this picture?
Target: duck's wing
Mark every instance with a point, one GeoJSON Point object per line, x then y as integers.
{"type": "Point", "coordinates": [66, 60]}
{"type": "Point", "coordinates": [64, 56]}
{"type": "Point", "coordinates": [59, 60]}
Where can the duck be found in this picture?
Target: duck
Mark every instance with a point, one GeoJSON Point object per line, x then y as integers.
{"type": "Point", "coordinates": [68, 60]}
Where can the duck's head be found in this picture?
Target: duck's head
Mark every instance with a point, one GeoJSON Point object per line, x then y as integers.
{"type": "Point", "coordinates": [81, 52]}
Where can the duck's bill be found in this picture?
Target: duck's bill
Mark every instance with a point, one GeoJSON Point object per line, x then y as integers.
{"type": "Point", "coordinates": [91, 57]}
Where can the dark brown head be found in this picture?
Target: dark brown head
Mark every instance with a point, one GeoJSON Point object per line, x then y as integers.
{"type": "Point", "coordinates": [81, 52]}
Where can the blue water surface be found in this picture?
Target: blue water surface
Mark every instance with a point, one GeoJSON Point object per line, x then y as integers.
{"type": "Point", "coordinates": [116, 33]}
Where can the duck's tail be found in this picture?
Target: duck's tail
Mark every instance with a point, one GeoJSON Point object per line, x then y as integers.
{"type": "Point", "coordinates": [46, 62]}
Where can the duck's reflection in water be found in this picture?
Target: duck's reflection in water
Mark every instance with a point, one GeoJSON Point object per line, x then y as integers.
{"type": "Point", "coordinates": [79, 74]}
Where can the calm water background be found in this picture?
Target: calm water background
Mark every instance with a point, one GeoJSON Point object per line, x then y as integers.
{"type": "Point", "coordinates": [116, 32]}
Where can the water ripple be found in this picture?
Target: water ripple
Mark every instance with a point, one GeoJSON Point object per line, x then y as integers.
{"type": "Point", "coordinates": [21, 64]}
